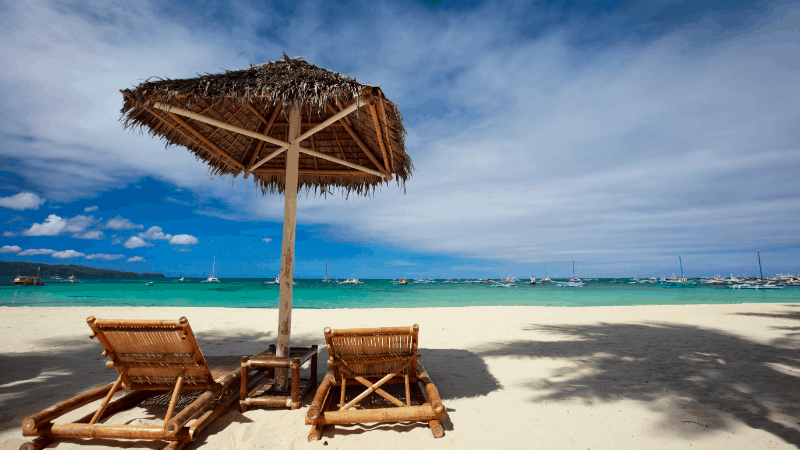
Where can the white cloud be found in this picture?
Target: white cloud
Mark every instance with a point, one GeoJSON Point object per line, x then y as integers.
{"type": "Point", "coordinates": [105, 256]}
{"type": "Point", "coordinates": [9, 234]}
{"type": "Point", "coordinates": [116, 241]}
{"type": "Point", "coordinates": [67, 254]}
{"type": "Point", "coordinates": [94, 234]}
{"type": "Point", "coordinates": [135, 259]}
{"type": "Point", "coordinates": [79, 223]}
{"type": "Point", "coordinates": [23, 200]}
{"type": "Point", "coordinates": [266, 240]}
{"type": "Point", "coordinates": [121, 223]}
{"type": "Point", "coordinates": [53, 225]}
{"type": "Point", "coordinates": [183, 239]}
{"type": "Point", "coordinates": [136, 242]}
{"type": "Point", "coordinates": [154, 233]}
{"type": "Point", "coordinates": [10, 249]}
{"type": "Point", "coordinates": [90, 209]}
{"type": "Point", "coordinates": [36, 251]}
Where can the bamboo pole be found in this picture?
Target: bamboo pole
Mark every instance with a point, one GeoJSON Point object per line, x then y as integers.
{"type": "Point", "coordinates": [436, 428]}
{"type": "Point", "coordinates": [106, 400]}
{"type": "Point", "coordinates": [173, 401]}
{"type": "Point", "coordinates": [379, 391]}
{"type": "Point", "coordinates": [295, 383]}
{"type": "Point", "coordinates": [360, 102]}
{"type": "Point", "coordinates": [373, 388]}
{"type": "Point", "coordinates": [219, 152]}
{"type": "Point", "coordinates": [189, 412]}
{"type": "Point", "coordinates": [37, 444]}
{"type": "Point", "coordinates": [433, 393]}
{"type": "Point", "coordinates": [377, 125]}
{"type": "Point", "coordinates": [244, 381]}
{"type": "Point", "coordinates": [370, 331]}
{"type": "Point", "coordinates": [199, 425]}
{"type": "Point", "coordinates": [266, 131]}
{"type": "Point", "coordinates": [358, 140]}
{"type": "Point", "coordinates": [418, 413]}
{"type": "Point", "coordinates": [319, 398]}
{"type": "Point", "coordinates": [174, 110]}
{"type": "Point", "coordinates": [287, 247]}
{"type": "Point", "coordinates": [316, 430]}
{"type": "Point", "coordinates": [31, 424]}
{"type": "Point", "coordinates": [382, 109]}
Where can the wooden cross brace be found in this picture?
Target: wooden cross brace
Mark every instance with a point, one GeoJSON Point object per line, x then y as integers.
{"type": "Point", "coordinates": [375, 388]}
{"type": "Point", "coordinates": [283, 145]}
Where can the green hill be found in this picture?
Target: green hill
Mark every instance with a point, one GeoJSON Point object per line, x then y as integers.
{"type": "Point", "coordinates": [14, 268]}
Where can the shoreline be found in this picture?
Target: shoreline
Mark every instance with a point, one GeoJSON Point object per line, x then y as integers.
{"type": "Point", "coordinates": [641, 376]}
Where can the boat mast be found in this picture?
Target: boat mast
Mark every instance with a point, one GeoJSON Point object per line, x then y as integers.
{"type": "Point", "coordinates": [573, 268]}
{"type": "Point", "coordinates": [759, 265]}
{"type": "Point", "coordinates": [213, 266]}
{"type": "Point", "coordinates": [681, 263]}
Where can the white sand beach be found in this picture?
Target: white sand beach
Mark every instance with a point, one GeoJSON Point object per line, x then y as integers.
{"type": "Point", "coordinates": [655, 377]}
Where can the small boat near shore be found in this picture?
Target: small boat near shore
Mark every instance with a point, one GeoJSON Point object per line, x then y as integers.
{"type": "Point", "coordinates": [351, 281]}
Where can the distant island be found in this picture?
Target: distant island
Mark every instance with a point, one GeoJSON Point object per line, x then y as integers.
{"type": "Point", "coordinates": [14, 268]}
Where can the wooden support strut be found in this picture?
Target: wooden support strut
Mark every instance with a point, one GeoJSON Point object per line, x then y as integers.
{"type": "Point", "coordinates": [106, 400]}
{"type": "Point", "coordinates": [266, 131]}
{"type": "Point", "coordinates": [360, 143]}
{"type": "Point", "coordinates": [377, 125]}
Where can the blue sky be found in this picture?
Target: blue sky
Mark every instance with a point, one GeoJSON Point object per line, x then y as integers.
{"type": "Point", "coordinates": [620, 135]}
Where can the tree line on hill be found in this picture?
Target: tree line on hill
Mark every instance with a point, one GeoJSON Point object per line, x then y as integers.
{"type": "Point", "coordinates": [14, 268]}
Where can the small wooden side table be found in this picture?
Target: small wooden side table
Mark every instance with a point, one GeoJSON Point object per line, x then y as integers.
{"type": "Point", "coordinates": [265, 394]}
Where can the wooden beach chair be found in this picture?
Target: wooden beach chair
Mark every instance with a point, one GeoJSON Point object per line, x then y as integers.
{"type": "Point", "coordinates": [152, 357]}
{"type": "Point", "coordinates": [372, 358]}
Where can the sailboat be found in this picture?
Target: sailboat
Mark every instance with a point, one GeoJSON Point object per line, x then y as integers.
{"type": "Point", "coordinates": [326, 280]}
{"type": "Point", "coordinates": [758, 284]}
{"type": "Point", "coordinates": [677, 282]}
{"type": "Point", "coordinates": [545, 275]}
{"type": "Point", "coordinates": [212, 278]}
{"type": "Point", "coordinates": [574, 279]}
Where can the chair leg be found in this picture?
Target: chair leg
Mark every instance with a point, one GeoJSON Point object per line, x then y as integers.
{"type": "Point", "coordinates": [436, 428]}
{"type": "Point", "coordinates": [173, 401]}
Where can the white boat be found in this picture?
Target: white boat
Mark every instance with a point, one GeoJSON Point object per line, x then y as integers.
{"type": "Point", "coordinates": [351, 281]}
{"type": "Point", "coordinates": [180, 279]}
{"type": "Point", "coordinates": [533, 280]}
{"type": "Point", "coordinates": [278, 281]}
{"type": "Point", "coordinates": [505, 285]}
{"type": "Point", "coordinates": [212, 278]}
{"type": "Point", "coordinates": [570, 284]}
{"type": "Point", "coordinates": [756, 286]}
{"type": "Point", "coordinates": [72, 279]}
{"type": "Point", "coordinates": [149, 283]}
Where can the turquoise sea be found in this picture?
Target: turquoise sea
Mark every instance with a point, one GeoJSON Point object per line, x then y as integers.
{"type": "Point", "coordinates": [251, 293]}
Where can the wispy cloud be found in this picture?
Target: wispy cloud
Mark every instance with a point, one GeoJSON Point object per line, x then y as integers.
{"type": "Point", "coordinates": [136, 259]}
{"type": "Point", "coordinates": [104, 256]}
{"type": "Point", "coordinates": [36, 251]}
{"type": "Point", "coordinates": [10, 249]}
{"type": "Point", "coordinates": [266, 240]}
{"type": "Point", "coordinates": [121, 223]}
{"type": "Point", "coordinates": [90, 209]}
{"type": "Point", "coordinates": [65, 254]}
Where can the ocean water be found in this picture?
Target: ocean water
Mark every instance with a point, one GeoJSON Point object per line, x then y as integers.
{"type": "Point", "coordinates": [251, 293]}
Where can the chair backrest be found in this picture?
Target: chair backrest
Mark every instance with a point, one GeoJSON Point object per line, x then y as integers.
{"type": "Point", "coordinates": [152, 354]}
{"type": "Point", "coordinates": [371, 352]}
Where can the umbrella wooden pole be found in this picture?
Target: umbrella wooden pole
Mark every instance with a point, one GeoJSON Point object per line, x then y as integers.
{"type": "Point", "coordinates": [287, 248]}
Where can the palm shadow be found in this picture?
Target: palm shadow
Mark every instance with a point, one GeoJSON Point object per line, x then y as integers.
{"type": "Point", "coordinates": [715, 376]}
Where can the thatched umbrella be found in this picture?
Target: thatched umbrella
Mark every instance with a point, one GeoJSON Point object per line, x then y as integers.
{"type": "Point", "coordinates": [290, 125]}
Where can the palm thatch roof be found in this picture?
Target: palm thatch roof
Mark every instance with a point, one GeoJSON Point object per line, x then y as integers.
{"type": "Point", "coordinates": [258, 99]}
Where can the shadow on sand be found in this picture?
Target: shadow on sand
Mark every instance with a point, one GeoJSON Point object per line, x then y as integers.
{"type": "Point", "coordinates": [716, 377]}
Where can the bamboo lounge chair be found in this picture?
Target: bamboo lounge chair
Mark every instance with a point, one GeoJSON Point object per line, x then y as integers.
{"type": "Point", "coordinates": [375, 357]}
{"type": "Point", "coordinates": [152, 357]}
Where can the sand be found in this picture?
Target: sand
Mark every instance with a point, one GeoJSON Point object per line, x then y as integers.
{"type": "Point", "coordinates": [622, 377]}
